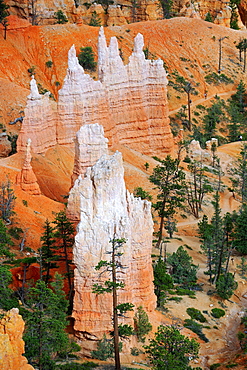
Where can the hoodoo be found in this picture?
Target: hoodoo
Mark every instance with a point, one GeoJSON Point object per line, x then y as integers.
{"type": "Point", "coordinates": [108, 210]}
{"type": "Point", "coordinates": [129, 101]}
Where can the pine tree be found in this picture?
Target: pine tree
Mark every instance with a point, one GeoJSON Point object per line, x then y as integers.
{"type": "Point", "coordinates": [197, 186]}
{"type": "Point", "coordinates": [64, 235]}
{"type": "Point", "coordinates": [170, 350]}
{"type": "Point", "coordinates": [239, 179]}
{"type": "Point", "coordinates": [114, 266]}
{"type": "Point", "coordinates": [95, 20]}
{"type": "Point", "coordinates": [86, 58]}
{"type": "Point", "coordinates": [183, 270]}
{"type": "Point", "coordinates": [169, 180]}
{"type": "Point", "coordinates": [45, 320]}
{"type": "Point", "coordinates": [47, 252]}
{"type": "Point", "coordinates": [162, 281]}
{"type": "Point", "coordinates": [3, 11]}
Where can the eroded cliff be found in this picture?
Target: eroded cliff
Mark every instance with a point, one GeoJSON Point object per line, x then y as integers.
{"type": "Point", "coordinates": [11, 343]}
{"type": "Point", "coordinates": [130, 102]}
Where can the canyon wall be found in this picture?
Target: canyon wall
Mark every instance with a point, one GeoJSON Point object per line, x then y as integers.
{"type": "Point", "coordinates": [11, 343]}
{"type": "Point", "coordinates": [129, 101]}
{"type": "Point", "coordinates": [121, 12]}
{"type": "Point", "coordinates": [108, 210]}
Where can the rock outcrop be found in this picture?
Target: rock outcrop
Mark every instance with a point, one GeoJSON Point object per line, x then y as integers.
{"type": "Point", "coordinates": [5, 145]}
{"type": "Point", "coordinates": [11, 343]}
{"type": "Point", "coordinates": [39, 123]}
{"type": "Point", "coordinates": [90, 145]}
{"type": "Point", "coordinates": [130, 102]}
{"type": "Point", "coordinates": [26, 178]}
{"type": "Point", "coordinates": [108, 210]}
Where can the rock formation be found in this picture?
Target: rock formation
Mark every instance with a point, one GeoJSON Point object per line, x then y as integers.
{"type": "Point", "coordinates": [39, 122]}
{"type": "Point", "coordinates": [11, 343]}
{"type": "Point", "coordinates": [107, 209]}
{"type": "Point", "coordinates": [5, 145]}
{"type": "Point", "coordinates": [90, 145]}
{"type": "Point", "coordinates": [26, 178]}
{"type": "Point", "coordinates": [130, 102]}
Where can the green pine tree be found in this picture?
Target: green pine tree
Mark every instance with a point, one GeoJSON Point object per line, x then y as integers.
{"type": "Point", "coordinates": [183, 270]}
{"type": "Point", "coordinates": [170, 350]}
{"type": "Point", "coordinates": [45, 323]}
{"type": "Point", "coordinates": [169, 181]}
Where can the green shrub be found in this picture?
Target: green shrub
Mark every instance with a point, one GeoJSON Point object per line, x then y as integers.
{"type": "Point", "coordinates": [60, 17]}
{"type": "Point", "coordinates": [196, 314]}
{"type": "Point", "coordinates": [196, 328]}
{"type": "Point", "coordinates": [214, 366]}
{"type": "Point", "coordinates": [86, 58]}
{"type": "Point", "coordinates": [216, 79]}
{"type": "Point", "coordinates": [217, 313]}
{"type": "Point", "coordinates": [49, 63]}
{"type": "Point", "coordinates": [95, 20]}
{"type": "Point", "coordinates": [15, 232]}
{"type": "Point", "coordinates": [176, 299]}
{"type": "Point", "coordinates": [135, 351]}
{"type": "Point", "coordinates": [105, 349]}
{"type": "Point", "coordinates": [141, 324]}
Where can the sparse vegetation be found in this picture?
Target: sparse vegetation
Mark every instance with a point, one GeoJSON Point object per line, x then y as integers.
{"type": "Point", "coordinates": [86, 58]}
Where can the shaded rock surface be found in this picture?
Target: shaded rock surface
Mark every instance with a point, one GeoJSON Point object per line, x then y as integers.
{"type": "Point", "coordinates": [11, 343]}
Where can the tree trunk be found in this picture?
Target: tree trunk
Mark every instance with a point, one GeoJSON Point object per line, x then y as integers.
{"type": "Point", "coordinates": [115, 316]}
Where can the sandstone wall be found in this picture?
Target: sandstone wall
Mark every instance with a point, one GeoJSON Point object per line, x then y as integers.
{"type": "Point", "coordinates": [123, 12]}
{"type": "Point", "coordinates": [130, 102]}
{"type": "Point", "coordinates": [107, 209]}
{"type": "Point", "coordinates": [11, 343]}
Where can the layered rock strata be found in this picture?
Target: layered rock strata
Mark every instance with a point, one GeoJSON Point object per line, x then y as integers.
{"type": "Point", "coordinates": [26, 178]}
{"type": "Point", "coordinates": [130, 102]}
{"type": "Point", "coordinates": [11, 343]}
{"type": "Point", "coordinates": [108, 210]}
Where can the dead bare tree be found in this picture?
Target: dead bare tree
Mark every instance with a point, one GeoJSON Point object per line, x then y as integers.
{"type": "Point", "coordinates": [7, 200]}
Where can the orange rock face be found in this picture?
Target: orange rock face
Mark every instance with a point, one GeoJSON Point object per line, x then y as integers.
{"type": "Point", "coordinates": [11, 343]}
{"type": "Point", "coordinates": [130, 102]}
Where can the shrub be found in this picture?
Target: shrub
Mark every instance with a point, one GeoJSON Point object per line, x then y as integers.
{"type": "Point", "coordinates": [196, 328]}
{"type": "Point", "coordinates": [86, 58]}
{"type": "Point", "coordinates": [216, 79]}
{"type": "Point", "coordinates": [196, 314]}
{"type": "Point", "coordinates": [139, 192]}
{"type": "Point", "coordinates": [95, 20]}
{"type": "Point", "coordinates": [104, 349]}
{"type": "Point", "coordinates": [217, 313]}
{"type": "Point", "coordinates": [60, 17]}
{"type": "Point", "coordinates": [135, 351]}
{"type": "Point", "coordinates": [141, 324]}
{"type": "Point", "coordinates": [49, 63]}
